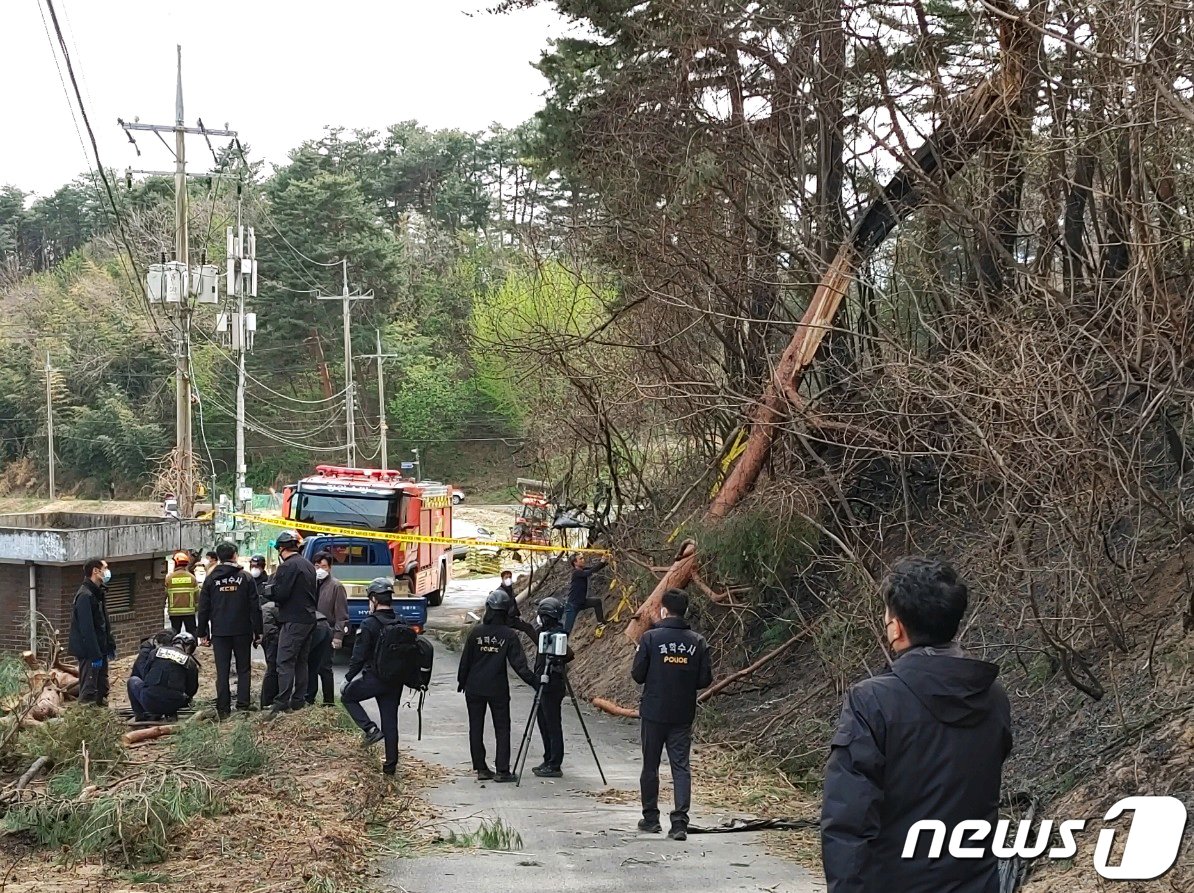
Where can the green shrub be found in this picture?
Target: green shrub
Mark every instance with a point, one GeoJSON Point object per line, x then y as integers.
{"type": "Point", "coordinates": [13, 679]}
{"type": "Point", "coordinates": [62, 739]}
{"type": "Point", "coordinates": [759, 547]}
{"type": "Point", "coordinates": [232, 754]}
{"type": "Point", "coordinates": [131, 822]}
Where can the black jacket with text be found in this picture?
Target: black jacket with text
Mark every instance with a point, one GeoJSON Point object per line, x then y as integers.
{"type": "Point", "coordinates": [228, 603]}
{"type": "Point", "coordinates": [672, 664]}
{"type": "Point", "coordinates": [365, 644]}
{"type": "Point", "coordinates": [924, 740]}
{"type": "Point", "coordinates": [488, 649]}
{"type": "Point", "coordinates": [172, 670]}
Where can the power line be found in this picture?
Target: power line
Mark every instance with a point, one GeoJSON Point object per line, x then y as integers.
{"type": "Point", "coordinates": [70, 70]}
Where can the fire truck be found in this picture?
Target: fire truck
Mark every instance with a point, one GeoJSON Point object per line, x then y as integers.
{"type": "Point", "coordinates": [382, 501]}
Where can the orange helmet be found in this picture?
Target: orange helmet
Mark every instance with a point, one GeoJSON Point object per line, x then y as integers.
{"type": "Point", "coordinates": [181, 558]}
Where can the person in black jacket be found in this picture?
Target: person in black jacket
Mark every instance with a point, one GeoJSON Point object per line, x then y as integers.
{"type": "Point", "coordinates": [672, 664]}
{"type": "Point", "coordinates": [170, 682]}
{"type": "Point", "coordinates": [91, 640]}
{"type": "Point", "coordinates": [924, 740]}
{"type": "Point", "coordinates": [551, 696]}
{"type": "Point", "coordinates": [362, 683]}
{"type": "Point", "coordinates": [230, 621]}
{"type": "Point", "coordinates": [578, 593]}
{"type": "Point", "coordinates": [507, 585]}
{"type": "Point", "coordinates": [146, 649]}
{"type": "Point", "coordinates": [505, 610]}
{"type": "Point", "coordinates": [258, 572]}
{"type": "Point", "coordinates": [295, 589]}
{"type": "Point", "coordinates": [270, 630]}
{"type": "Point", "coordinates": [488, 648]}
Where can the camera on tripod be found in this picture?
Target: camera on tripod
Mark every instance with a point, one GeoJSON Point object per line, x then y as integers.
{"type": "Point", "coordinates": [553, 644]}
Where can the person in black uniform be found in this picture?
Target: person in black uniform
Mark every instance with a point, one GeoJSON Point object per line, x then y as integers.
{"type": "Point", "coordinates": [170, 682]}
{"type": "Point", "coordinates": [551, 699]}
{"type": "Point", "coordinates": [146, 650]}
{"type": "Point", "coordinates": [294, 587]}
{"type": "Point", "coordinates": [362, 682]}
{"type": "Point", "coordinates": [258, 572]}
{"type": "Point", "coordinates": [672, 664]}
{"type": "Point", "coordinates": [505, 610]}
{"type": "Point", "coordinates": [91, 640]}
{"type": "Point", "coordinates": [489, 647]}
{"type": "Point", "coordinates": [270, 630]}
{"type": "Point", "coordinates": [230, 621]}
{"type": "Point", "coordinates": [507, 585]}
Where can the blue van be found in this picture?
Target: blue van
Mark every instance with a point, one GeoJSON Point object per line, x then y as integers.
{"type": "Point", "coordinates": [357, 562]}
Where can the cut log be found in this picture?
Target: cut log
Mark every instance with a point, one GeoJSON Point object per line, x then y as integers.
{"type": "Point", "coordinates": [47, 704]}
{"type": "Point", "coordinates": [31, 660]}
{"type": "Point", "coordinates": [677, 577]}
{"type": "Point", "coordinates": [614, 709]}
{"type": "Point", "coordinates": [148, 734]}
{"type": "Point", "coordinates": [746, 671]}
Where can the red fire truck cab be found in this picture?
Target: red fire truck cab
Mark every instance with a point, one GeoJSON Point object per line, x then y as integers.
{"type": "Point", "coordinates": [382, 501]}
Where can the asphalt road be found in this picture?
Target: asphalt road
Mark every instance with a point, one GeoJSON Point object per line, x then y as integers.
{"type": "Point", "coordinates": [570, 840]}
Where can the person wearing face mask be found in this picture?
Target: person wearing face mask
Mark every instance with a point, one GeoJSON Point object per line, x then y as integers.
{"type": "Point", "coordinates": [507, 584]}
{"type": "Point", "coordinates": [924, 740]}
{"type": "Point", "coordinates": [91, 640]}
{"type": "Point", "coordinates": [257, 570]}
{"type": "Point", "coordinates": [331, 624]}
{"type": "Point", "coordinates": [672, 664]}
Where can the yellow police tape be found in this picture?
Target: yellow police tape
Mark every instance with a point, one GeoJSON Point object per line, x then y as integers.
{"type": "Point", "coordinates": [414, 537]}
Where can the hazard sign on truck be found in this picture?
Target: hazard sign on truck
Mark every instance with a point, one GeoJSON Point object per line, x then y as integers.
{"type": "Point", "coordinates": [382, 501]}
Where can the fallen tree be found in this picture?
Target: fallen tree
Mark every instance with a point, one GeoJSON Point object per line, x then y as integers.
{"type": "Point", "coordinates": [969, 123]}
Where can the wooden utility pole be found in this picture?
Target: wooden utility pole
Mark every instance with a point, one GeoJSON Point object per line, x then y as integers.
{"type": "Point", "coordinates": [349, 389]}
{"type": "Point", "coordinates": [380, 358]}
{"type": "Point", "coordinates": [184, 446]}
{"type": "Point", "coordinates": [50, 422]}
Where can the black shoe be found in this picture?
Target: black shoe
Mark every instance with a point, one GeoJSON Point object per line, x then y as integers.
{"type": "Point", "coordinates": [503, 777]}
{"type": "Point", "coordinates": [246, 708]}
{"type": "Point", "coordinates": [547, 772]}
{"type": "Point", "coordinates": [329, 703]}
{"type": "Point", "coordinates": [388, 769]}
{"type": "Point", "coordinates": [223, 715]}
{"type": "Point", "coordinates": [678, 832]}
{"type": "Point", "coordinates": [485, 774]}
{"type": "Point", "coordinates": [274, 713]}
{"type": "Point", "coordinates": [649, 826]}
{"type": "Point", "coordinates": [373, 736]}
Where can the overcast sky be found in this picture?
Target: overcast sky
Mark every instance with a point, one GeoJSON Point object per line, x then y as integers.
{"type": "Point", "coordinates": [276, 71]}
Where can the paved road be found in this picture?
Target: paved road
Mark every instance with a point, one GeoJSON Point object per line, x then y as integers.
{"type": "Point", "coordinates": [571, 841]}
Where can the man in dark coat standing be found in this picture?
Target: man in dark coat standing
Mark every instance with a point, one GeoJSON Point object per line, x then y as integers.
{"type": "Point", "coordinates": [578, 593]}
{"type": "Point", "coordinates": [294, 588]}
{"type": "Point", "coordinates": [91, 640]}
{"type": "Point", "coordinates": [672, 664]}
{"type": "Point", "coordinates": [230, 621]}
{"type": "Point", "coordinates": [924, 740]}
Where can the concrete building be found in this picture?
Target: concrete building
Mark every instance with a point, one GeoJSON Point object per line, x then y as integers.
{"type": "Point", "coordinates": [41, 567]}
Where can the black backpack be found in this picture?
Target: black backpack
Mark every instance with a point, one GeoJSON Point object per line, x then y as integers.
{"type": "Point", "coordinates": [395, 652]}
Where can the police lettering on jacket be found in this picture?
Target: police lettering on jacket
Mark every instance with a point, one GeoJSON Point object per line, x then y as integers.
{"type": "Point", "coordinates": [489, 644]}
{"type": "Point", "coordinates": [677, 652]}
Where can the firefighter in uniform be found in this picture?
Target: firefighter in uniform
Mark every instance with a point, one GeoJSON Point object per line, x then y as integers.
{"type": "Point", "coordinates": [171, 680]}
{"type": "Point", "coordinates": [672, 664]}
{"type": "Point", "coordinates": [182, 595]}
{"type": "Point", "coordinates": [490, 646]}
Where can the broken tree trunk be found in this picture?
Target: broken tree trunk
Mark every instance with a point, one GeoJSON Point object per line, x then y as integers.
{"type": "Point", "coordinates": [676, 577]}
{"type": "Point", "coordinates": [747, 671]}
{"type": "Point", "coordinates": [968, 124]}
{"type": "Point", "coordinates": [614, 709]}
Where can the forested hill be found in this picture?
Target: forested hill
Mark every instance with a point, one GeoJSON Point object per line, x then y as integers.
{"type": "Point", "coordinates": [451, 232]}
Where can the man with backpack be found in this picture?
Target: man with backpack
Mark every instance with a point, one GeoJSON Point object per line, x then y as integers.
{"type": "Point", "coordinates": [490, 646]}
{"type": "Point", "coordinates": [385, 656]}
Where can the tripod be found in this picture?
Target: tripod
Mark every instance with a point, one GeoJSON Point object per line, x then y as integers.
{"type": "Point", "coordinates": [524, 748]}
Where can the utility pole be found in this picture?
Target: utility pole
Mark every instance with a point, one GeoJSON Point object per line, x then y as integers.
{"type": "Point", "coordinates": [182, 283]}
{"type": "Point", "coordinates": [50, 422]}
{"type": "Point", "coordinates": [242, 281]}
{"type": "Point", "coordinates": [349, 387]}
{"type": "Point", "coordinates": [381, 396]}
